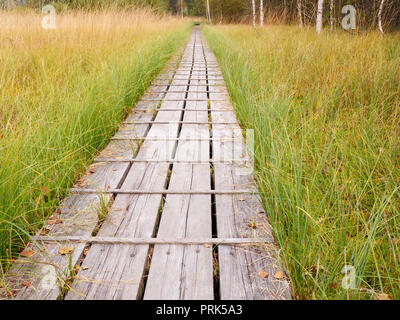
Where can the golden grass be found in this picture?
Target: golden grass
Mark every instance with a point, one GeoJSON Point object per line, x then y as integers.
{"type": "Point", "coordinates": [63, 93]}
{"type": "Point", "coordinates": [325, 110]}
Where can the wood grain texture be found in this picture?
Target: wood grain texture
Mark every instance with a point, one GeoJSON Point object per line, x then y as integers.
{"type": "Point", "coordinates": [186, 272]}
{"type": "Point", "coordinates": [116, 271]}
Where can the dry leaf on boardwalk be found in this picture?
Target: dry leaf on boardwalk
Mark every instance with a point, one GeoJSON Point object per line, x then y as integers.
{"type": "Point", "coordinates": [252, 225]}
{"type": "Point", "coordinates": [44, 231]}
{"type": "Point", "coordinates": [383, 296]}
{"type": "Point", "coordinates": [27, 253]}
{"type": "Point", "coordinates": [279, 275]}
{"type": "Point", "coordinates": [262, 274]}
{"type": "Point", "coordinates": [65, 250]}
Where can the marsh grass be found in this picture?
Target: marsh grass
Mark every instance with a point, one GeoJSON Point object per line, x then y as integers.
{"type": "Point", "coordinates": [326, 115]}
{"type": "Point", "coordinates": [63, 93]}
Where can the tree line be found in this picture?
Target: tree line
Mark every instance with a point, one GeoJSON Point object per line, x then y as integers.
{"type": "Point", "coordinates": [382, 14]}
{"type": "Point", "coordinates": [369, 13]}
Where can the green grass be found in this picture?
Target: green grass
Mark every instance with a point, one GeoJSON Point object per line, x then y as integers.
{"type": "Point", "coordinates": [63, 93]}
{"type": "Point", "coordinates": [326, 115]}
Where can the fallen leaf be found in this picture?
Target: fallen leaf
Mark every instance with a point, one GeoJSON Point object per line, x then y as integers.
{"type": "Point", "coordinates": [10, 293]}
{"type": "Point", "coordinates": [44, 231]}
{"type": "Point", "coordinates": [252, 225]}
{"type": "Point", "coordinates": [65, 250]}
{"type": "Point", "coordinates": [27, 253]}
{"type": "Point", "coordinates": [242, 199]}
{"type": "Point", "coordinates": [207, 245]}
{"type": "Point", "coordinates": [92, 170]}
{"type": "Point", "coordinates": [85, 267]}
{"type": "Point", "coordinates": [383, 296]}
{"type": "Point", "coordinates": [45, 191]}
{"type": "Point", "coordinates": [279, 275]}
{"type": "Point", "coordinates": [56, 221]}
{"type": "Point", "coordinates": [26, 284]}
{"type": "Point", "coordinates": [262, 274]}
{"type": "Point", "coordinates": [58, 211]}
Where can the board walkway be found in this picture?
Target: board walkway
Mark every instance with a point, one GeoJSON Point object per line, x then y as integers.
{"type": "Point", "coordinates": [168, 210]}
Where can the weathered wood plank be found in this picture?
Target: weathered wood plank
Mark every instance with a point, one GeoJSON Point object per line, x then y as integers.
{"type": "Point", "coordinates": [176, 271]}
{"type": "Point", "coordinates": [182, 241]}
{"type": "Point", "coordinates": [116, 271]}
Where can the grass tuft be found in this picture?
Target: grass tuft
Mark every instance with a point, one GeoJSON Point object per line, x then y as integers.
{"type": "Point", "coordinates": [325, 110]}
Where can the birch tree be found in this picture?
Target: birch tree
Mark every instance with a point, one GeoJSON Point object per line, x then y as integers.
{"type": "Point", "coordinates": [331, 14]}
{"type": "Point", "coordinates": [253, 4]}
{"type": "Point", "coordinates": [319, 15]}
{"type": "Point", "coordinates": [208, 12]}
{"type": "Point", "coordinates": [261, 13]}
{"type": "Point", "coordinates": [380, 16]}
{"type": "Point", "coordinates": [300, 13]}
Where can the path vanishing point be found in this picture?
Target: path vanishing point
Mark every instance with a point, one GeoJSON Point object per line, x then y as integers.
{"type": "Point", "coordinates": [168, 210]}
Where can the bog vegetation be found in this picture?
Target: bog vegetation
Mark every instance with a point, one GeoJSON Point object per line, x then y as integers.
{"type": "Point", "coordinates": [325, 110]}
{"type": "Point", "coordinates": [63, 93]}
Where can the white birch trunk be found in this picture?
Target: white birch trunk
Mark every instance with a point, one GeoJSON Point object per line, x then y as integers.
{"type": "Point", "coordinates": [253, 3]}
{"type": "Point", "coordinates": [380, 16]}
{"type": "Point", "coordinates": [261, 13]}
{"type": "Point", "coordinates": [319, 15]}
{"type": "Point", "coordinates": [300, 13]}
{"type": "Point", "coordinates": [331, 14]}
{"type": "Point", "coordinates": [208, 12]}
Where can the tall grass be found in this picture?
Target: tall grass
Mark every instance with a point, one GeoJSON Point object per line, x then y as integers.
{"type": "Point", "coordinates": [63, 93]}
{"type": "Point", "coordinates": [326, 114]}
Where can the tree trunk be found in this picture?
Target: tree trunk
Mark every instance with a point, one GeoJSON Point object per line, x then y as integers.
{"type": "Point", "coordinates": [261, 13]}
{"type": "Point", "coordinates": [319, 15]}
{"type": "Point", "coordinates": [300, 13]}
{"type": "Point", "coordinates": [253, 3]}
{"type": "Point", "coordinates": [380, 16]}
{"type": "Point", "coordinates": [208, 12]}
{"type": "Point", "coordinates": [332, 14]}
{"type": "Point", "coordinates": [182, 8]}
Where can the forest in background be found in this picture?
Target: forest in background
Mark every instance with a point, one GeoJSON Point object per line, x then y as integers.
{"type": "Point", "coordinates": [241, 11]}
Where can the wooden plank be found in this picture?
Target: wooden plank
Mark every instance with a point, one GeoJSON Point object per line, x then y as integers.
{"type": "Point", "coordinates": [180, 241]}
{"type": "Point", "coordinates": [160, 191]}
{"type": "Point", "coordinates": [116, 271]}
{"type": "Point", "coordinates": [186, 272]}
{"type": "Point", "coordinates": [240, 216]}
{"type": "Point", "coordinates": [46, 270]}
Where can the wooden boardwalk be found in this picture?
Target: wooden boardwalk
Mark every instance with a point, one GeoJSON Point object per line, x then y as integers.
{"type": "Point", "coordinates": [169, 210]}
